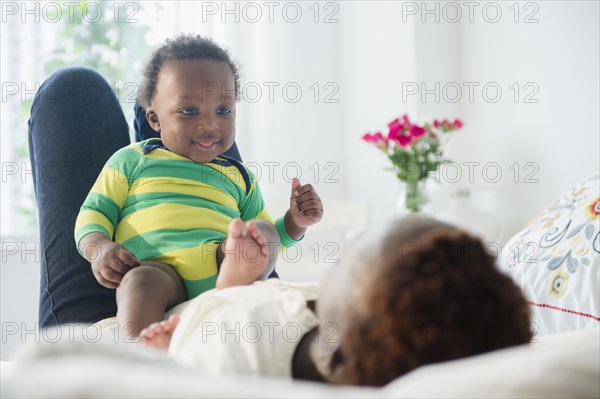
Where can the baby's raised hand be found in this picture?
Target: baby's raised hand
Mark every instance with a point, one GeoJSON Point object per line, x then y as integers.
{"type": "Point", "coordinates": [306, 207]}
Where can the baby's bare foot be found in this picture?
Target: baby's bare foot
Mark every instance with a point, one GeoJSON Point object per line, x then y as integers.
{"type": "Point", "coordinates": [246, 255]}
{"type": "Point", "coordinates": [158, 335]}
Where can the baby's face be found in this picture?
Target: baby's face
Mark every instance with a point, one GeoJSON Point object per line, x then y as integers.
{"type": "Point", "coordinates": [194, 108]}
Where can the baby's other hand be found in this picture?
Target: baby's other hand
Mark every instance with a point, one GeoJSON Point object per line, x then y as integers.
{"type": "Point", "coordinates": [111, 263]}
{"type": "Point", "coordinates": [306, 207]}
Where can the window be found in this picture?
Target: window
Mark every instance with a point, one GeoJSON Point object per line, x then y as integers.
{"type": "Point", "coordinates": [37, 38]}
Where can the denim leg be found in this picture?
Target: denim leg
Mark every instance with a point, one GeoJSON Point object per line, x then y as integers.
{"type": "Point", "coordinates": [76, 124]}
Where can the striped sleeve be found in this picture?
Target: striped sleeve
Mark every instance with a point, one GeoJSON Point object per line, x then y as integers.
{"type": "Point", "coordinates": [253, 207]}
{"type": "Point", "coordinates": [253, 204]}
{"type": "Point", "coordinates": [102, 207]}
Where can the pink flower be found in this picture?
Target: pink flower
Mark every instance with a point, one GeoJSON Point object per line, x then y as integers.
{"type": "Point", "coordinates": [416, 131]}
{"type": "Point", "coordinates": [395, 127]}
{"type": "Point", "coordinates": [445, 125]}
{"type": "Point", "coordinates": [368, 137]}
{"type": "Point", "coordinates": [376, 138]}
{"type": "Point", "coordinates": [379, 137]}
{"type": "Point", "coordinates": [402, 133]}
{"type": "Point", "coordinates": [404, 140]}
{"type": "Point", "coordinates": [394, 123]}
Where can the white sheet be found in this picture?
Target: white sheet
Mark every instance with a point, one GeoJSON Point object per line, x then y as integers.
{"type": "Point", "coordinates": [561, 366]}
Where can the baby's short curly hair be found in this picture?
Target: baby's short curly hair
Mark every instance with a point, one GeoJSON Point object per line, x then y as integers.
{"type": "Point", "coordinates": [438, 298]}
{"type": "Point", "coordinates": [182, 47]}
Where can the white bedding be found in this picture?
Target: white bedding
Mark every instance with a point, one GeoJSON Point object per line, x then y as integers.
{"type": "Point", "coordinates": [560, 366]}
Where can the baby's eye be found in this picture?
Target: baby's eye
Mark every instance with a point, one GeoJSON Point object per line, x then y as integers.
{"type": "Point", "coordinates": [224, 111]}
{"type": "Point", "coordinates": [188, 111]}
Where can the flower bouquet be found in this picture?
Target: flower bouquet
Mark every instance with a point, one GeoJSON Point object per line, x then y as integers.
{"type": "Point", "coordinates": [415, 151]}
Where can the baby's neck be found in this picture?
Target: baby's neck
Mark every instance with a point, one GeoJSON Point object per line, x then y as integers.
{"type": "Point", "coordinates": [302, 366]}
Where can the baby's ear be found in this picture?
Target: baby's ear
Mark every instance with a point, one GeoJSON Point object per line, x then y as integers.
{"type": "Point", "coordinates": [329, 361]}
{"type": "Point", "coordinates": [337, 367]}
{"type": "Point", "coordinates": [152, 118]}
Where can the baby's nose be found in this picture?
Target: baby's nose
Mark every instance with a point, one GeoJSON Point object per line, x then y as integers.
{"type": "Point", "coordinates": [208, 123]}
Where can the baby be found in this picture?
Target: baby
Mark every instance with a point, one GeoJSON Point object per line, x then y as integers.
{"type": "Point", "coordinates": [170, 218]}
{"type": "Point", "coordinates": [407, 293]}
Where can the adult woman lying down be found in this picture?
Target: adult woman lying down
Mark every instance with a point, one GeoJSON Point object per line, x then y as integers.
{"type": "Point", "coordinates": [407, 293]}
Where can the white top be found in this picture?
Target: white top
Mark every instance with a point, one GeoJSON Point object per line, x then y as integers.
{"type": "Point", "coordinates": [251, 329]}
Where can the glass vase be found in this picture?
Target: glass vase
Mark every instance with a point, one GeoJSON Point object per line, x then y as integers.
{"type": "Point", "coordinates": [412, 197]}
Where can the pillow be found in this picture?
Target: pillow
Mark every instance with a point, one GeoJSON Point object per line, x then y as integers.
{"type": "Point", "coordinates": [556, 366]}
{"type": "Point", "coordinates": [555, 260]}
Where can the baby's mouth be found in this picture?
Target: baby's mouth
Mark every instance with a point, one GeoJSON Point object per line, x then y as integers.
{"type": "Point", "coordinates": [205, 144]}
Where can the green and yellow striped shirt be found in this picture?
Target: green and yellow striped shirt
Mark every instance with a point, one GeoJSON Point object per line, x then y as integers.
{"type": "Point", "coordinates": [167, 208]}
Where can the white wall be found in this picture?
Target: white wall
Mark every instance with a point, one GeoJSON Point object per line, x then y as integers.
{"type": "Point", "coordinates": [555, 141]}
{"type": "Point", "coordinates": [377, 54]}
{"type": "Point", "coordinates": [542, 148]}
{"type": "Point", "coordinates": [293, 132]}
{"type": "Point", "coordinates": [560, 133]}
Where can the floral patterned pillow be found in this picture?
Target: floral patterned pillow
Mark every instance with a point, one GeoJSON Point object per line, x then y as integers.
{"type": "Point", "coordinates": [555, 259]}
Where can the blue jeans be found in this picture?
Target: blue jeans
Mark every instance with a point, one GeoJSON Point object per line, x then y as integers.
{"type": "Point", "coordinates": [76, 124]}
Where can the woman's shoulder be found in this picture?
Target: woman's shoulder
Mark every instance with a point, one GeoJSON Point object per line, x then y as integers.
{"type": "Point", "coordinates": [309, 289]}
{"type": "Point", "coordinates": [257, 294]}
{"type": "Point", "coordinates": [251, 329]}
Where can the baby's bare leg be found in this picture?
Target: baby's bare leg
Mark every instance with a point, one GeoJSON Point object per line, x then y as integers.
{"type": "Point", "coordinates": [145, 293]}
{"type": "Point", "coordinates": [250, 253]}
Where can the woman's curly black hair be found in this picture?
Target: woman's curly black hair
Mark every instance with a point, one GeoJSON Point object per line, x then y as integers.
{"type": "Point", "coordinates": [182, 47]}
{"type": "Point", "coordinates": [441, 299]}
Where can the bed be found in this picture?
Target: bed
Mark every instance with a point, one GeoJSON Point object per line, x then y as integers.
{"type": "Point", "coordinates": [564, 365]}
{"type": "Point", "coordinates": [561, 280]}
